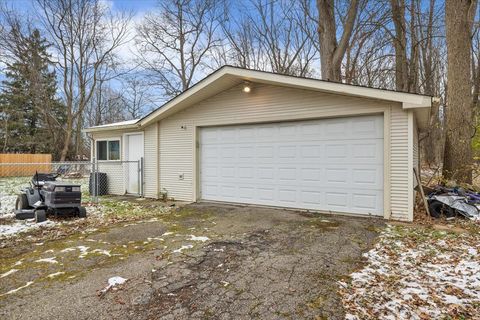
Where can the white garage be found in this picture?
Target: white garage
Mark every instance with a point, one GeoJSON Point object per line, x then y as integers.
{"type": "Point", "coordinates": [253, 137]}
{"type": "Point", "coordinates": [331, 164]}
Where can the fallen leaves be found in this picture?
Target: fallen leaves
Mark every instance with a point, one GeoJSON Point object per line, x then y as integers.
{"type": "Point", "coordinates": [416, 273]}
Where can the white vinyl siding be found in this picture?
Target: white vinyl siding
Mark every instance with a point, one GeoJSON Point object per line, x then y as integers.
{"type": "Point", "coordinates": [416, 157]}
{"type": "Point", "coordinates": [399, 162]}
{"type": "Point", "coordinates": [178, 133]}
{"type": "Point", "coordinates": [177, 159]}
{"type": "Point", "coordinates": [150, 162]}
{"type": "Point", "coordinates": [116, 172]}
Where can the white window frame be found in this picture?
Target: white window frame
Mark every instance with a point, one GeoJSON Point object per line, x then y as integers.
{"type": "Point", "coordinates": [108, 151]}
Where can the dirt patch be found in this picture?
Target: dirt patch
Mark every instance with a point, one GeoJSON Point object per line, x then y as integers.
{"type": "Point", "coordinates": [206, 261]}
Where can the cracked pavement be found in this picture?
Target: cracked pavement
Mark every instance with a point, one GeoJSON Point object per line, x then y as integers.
{"type": "Point", "coordinates": [258, 263]}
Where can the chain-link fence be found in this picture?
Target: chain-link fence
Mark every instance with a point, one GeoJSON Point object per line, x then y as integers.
{"type": "Point", "coordinates": [95, 179]}
{"type": "Point", "coordinates": [116, 178]}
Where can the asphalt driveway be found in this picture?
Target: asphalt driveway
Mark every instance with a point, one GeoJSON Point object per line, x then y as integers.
{"type": "Point", "coordinates": [203, 261]}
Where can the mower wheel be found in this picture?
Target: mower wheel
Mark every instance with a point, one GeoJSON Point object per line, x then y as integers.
{"type": "Point", "coordinates": [82, 212]}
{"type": "Point", "coordinates": [437, 209]}
{"type": "Point", "coordinates": [40, 216]}
{"type": "Point", "coordinates": [22, 202]}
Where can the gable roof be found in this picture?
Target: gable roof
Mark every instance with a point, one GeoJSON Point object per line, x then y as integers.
{"type": "Point", "coordinates": [227, 77]}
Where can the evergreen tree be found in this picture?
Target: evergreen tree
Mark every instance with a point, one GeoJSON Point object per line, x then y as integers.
{"type": "Point", "coordinates": [32, 116]}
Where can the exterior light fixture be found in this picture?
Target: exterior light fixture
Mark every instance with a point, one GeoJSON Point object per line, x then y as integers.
{"type": "Point", "coordinates": [247, 87]}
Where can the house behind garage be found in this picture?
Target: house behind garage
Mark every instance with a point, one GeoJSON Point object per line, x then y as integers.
{"type": "Point", "coordinates": [288, 142]}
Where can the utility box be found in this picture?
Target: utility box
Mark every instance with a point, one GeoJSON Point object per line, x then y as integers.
{"type": "Point", "coordinates": [98, 184]}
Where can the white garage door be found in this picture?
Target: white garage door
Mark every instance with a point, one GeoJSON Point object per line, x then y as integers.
{"type": "Point", "coordinates": [330, 164]}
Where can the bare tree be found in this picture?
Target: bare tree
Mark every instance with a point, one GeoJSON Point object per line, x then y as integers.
{"type": "Point", "coordinates": [13, 32]}
{"type": "Point", "coordinates": [368, 57]}
{"type": "Point", "coordinates": [459, 15]}
{"type": "Point", "coordinates": [136, 96]}
{"type": "Point", "coordinates": [269, 35]}
{"type": "Point", "coordinates": [332, 51]}
{"type": "Point", "coordinates": [85, 35]}
{"type": "Point", "coordinates": [400, 44]}
{"type": "Point", "coordinates": [431, 45]}
{"type": "Point", "coordinates": [279, 28]}
{"type": "Point", "coordinates": [175, 42]}
{"type": "Point", "coordinates": [240, 47]}
{"type": "Point", "coordinates": [106, 106]}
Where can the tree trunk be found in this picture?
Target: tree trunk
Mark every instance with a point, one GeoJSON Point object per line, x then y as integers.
{"type": "Point", "coordinates": [68, 137]}
{"type": "Point", "coordinates": [400, 44]}
{"type": "Point", "coordinates": [432, 145]}
{"type": "Point", "coordinates": [459, 123]}
{"type": "Point", "coordinates": [414, 63]}
{"type": "Point", "coordinates": [331, 51]}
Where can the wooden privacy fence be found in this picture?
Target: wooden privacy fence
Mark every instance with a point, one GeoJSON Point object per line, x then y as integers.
{"type": "Point", "coordinates": [22, 165]}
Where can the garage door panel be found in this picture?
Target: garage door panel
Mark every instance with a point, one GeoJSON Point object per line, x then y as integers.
{"type": "Point", "coordinates": [310, 197]}
{"type": "Point", "coordinates": [308, 175]}
{"type": "Point", "coordinates": [287, 131]}
{"type": "Point", "coordinates": [287, 174]}
{"type": "Point", "coordinates": [332, 164]}
{"type": "Point", "coordinates": [365, 201]}
{"type": "Point", "coordinates": [311, 151]}
{"type": "Point", "coordinates": [246, 193]}
{"type": "Point", "coordinates": [337, 200]}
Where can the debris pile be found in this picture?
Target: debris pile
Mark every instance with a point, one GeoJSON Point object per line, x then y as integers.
{"type": "Point", "coordinates": [112, 282]}
{"type": "Point", "coordinates": [453, 202]}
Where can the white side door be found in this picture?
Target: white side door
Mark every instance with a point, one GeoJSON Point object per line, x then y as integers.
{"type": "Point", "coordinates": [133, 154]}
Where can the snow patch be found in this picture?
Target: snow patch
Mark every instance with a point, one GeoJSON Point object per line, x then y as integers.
{"type": "Point", "coordinates": [155, 238]}
{"type": "Point", "coordinates": [200, 238]}
{"type": "Point", "coordinates": [9, 272]}
{"type": "Point", "coordinates": [430, 277]}
{"type": "Point", "coordinates": [56, 274]}
{"type": "Point", "coordinates": [17, 227]}
{"type": "Point", "coordinates": [102, 251]}
{"type": "Point", "coordinates": [188, 246]}
{"type": "Point", "coordinates": [83, 251]}
{"type": "Point", "coordinates": [17, 289]}
{"type": "Point", "coordinates": [47, 260]}
{"type": "Point", "coordinates": [7, 206]}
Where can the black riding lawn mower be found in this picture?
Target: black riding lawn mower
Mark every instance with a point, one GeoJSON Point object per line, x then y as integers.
{"type": "Point", "coordinates": [46, 196]}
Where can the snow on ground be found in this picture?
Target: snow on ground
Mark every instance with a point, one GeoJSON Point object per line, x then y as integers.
{"type": "Point", "coordinates": [415, 273]}
{"type": "Point", "coordinates": [199, 238]}
{"type": "Point", "coordinates": [9, 272]}
{"type": "Point", "coordinates": [7, 206]}
{"type": "Point", "coordinates": [55, 274]}
{"type": "Point", "coordinates": [9, 187]}
{"type": "Point", "coordinates": [48, 260]}
{"type": "Point", "coordinates": [17, 289]}
{"type": "Point", "coordinates": [179, 250]}
{"type": "Point", "coordinates": [19, 226]}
